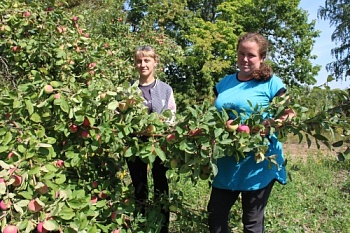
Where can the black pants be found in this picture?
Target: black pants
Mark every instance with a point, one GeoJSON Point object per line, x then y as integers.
{"type": "Point", "coordinates": [253, 205]}
{"type": "Point", "coordinates": [138, 173]}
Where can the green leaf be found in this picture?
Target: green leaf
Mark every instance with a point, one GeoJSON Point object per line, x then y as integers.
{"type": "Point", "coordinates": [113, 105]}
{"type": "Point", "coordinates": [61, 178]}
{"type": "Point", "coordinates": [2, 188]}
{"type": "Point", "coordinates": [67, 213]}
{"type": "Point", "coordinates": [51, 225]}
{"type": "Point", "coordinates": [4, 148]}
{"type": "Point", "coordinates": [330, 78]}
{"type": "Point", "coordinates": [337, 144]}
{"type": "Point", "coordinates": [29, 107]}
{"type": "Point", "coordinates": [36, 118]}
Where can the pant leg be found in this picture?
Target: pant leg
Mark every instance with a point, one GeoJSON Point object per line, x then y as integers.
{"type": "Point", "coordinates": [161, 189]}
{"type": "Point", "coordinates": [138, 173]}
{"type": "Point", "coordinates": [253, 205]}
{"type": "Point", "coordinates": [219, 207]}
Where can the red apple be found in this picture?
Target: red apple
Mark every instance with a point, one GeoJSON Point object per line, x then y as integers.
{"type": "Point", "coordinates": [93, 199]}
{"type": "Point", "coordinates": [48, 89]}
{"type": "Point", "coordinates": [243, 128]}
{"type": "Point", "coordinates": [10, 155]}
{"type": "Point", "coordinates": [86, 122]}
{"type": "Point", "coordinates": [231, 127]}
{"type": "Point", "coordinates": [15, 49]}
{"type": "Point", "coordinates": [94, 184]}
{"type": "Point", "coordinates": [59, 163]}
{"type": "Point", "coordinates": [170, 138]}
{"type": "Point", "coordinates": [73, 128]}
{"type": "Point", "coordinates": [106, 45]}
{"type": "Point", "coordinates": [43, 189]}
{"type": "Point", "coordinates": [34, 206]}
{"type": "Point", "coordinates": [5, 205]}
{"type": "Point", "coordinates": [57, 96]}
{"type": "Point", "coordinates": [10, 229]}
{"type": "Point", "coordinates": [75, 18]}
{"type": "Point", "coordinates": [18, 180]}
{"type": "Point", "coordinates": [26, 14]}
{"type": "Point", "coordinates": [194, 132]}
{"type": "Point", "coordinates": [116, 231]}
{"type": "Point", "coordinates": [2, 180]}
{"type": "Point", "coordinates": [85, 134]}
{"type": "Point", "coordinates": [7, 116]}
{"type": "Point", "coordinates": [114, 215]}
{"type": "Point", "coordinates": [40, 227]}
{"type": "Point", "coordinates": [92, 65]}
{"type": "Point", "coordinates": [102, 195]}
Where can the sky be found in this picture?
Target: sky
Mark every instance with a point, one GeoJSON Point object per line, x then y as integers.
{"type": "Point", "coordinates": [323, 45]}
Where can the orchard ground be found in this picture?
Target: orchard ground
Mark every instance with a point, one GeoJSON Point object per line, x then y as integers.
{"type": "Point", "coordinates": [312, 201]}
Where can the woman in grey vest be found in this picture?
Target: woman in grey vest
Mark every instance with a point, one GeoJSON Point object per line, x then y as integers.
{"type": "Point", "coordinates": [158, 98]}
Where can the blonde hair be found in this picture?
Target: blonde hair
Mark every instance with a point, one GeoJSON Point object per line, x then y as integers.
{"type": "Point", "coordinates": [265, 71]}
{"type": "Point", "coordinates": [146, 51]}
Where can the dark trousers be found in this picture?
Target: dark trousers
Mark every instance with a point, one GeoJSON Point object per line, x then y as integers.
{"type": "Point", "coordinates": [253, 206]}
{"type": "Point", "coordinates": [138, 173]}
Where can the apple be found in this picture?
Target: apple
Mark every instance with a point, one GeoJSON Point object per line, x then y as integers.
{"type": "Point", "coordinates": [18, 180]}
{"type": "Point", "coordinates": [40, 227]}
{"type": "Point", "coordinates": [7, 116]}
{"type": "Point", "coordinates": [59, 163]}
{"type": "Point", "coordinates": [48, 89]}
{"type": "Point", "coordinates": [10, 155]}
{"type": "Point", "coordinates": [122, 107]}
{"type": "Point", "coordinates": [43, 189]}
{"type": "Point", "coordinates": [170, 138]}
{"type": "Point", "coordinates": [204, 176]}
{"type": "Point", "coordinates": [15, 48]}
{"type": "Point", "coordinates": [85, 134]}
{"type": "Point", "coordinates": [34, 206]}
{"type": "Point", "coordinates": [10, 229]}
{"type": "Point", "coordinates": [26, 14]}
{"type": "Point", "coordinates": [73, 128]}
{"type": "Point", "coordinates": [151, 129]}
{"type": "Point", "coordinates": [50, 8]}
{"type": "Point", "coordinates": [2, 180]}
{"type": "Point", "coordinates": [116, 231]}
{"type": "Point", "coordinates": [102, 195]}
{"type": "Point", "coordinates": [114, 215]}
{"type": "Point", "coordinates": [86, 122]}
{"type": "Point", "coordinates": [206, 169]}
{"type": "Point", "coordinates": [103, 96]}
{"type": "Point", "coordinates": [231, 127]}
{"type": "Point", "coordinates": [130, 102]}
{"type": "Point", "coordinates": [243, 128]}
{"type": "Point", "coordinates": [195, 132]}
{"type": "Point", "coordinates": [93, 199]}
{"type": "Point", "coordinates": [57, 96]}
{"type": "Point", "coordinates": [127, 201]}
{"type": "Point", "coordinates": [106, 45]}
{"type": "Point", "coordinates": [5, 205]}
{"type": "Point", "coordinates": [75, 18]}
{"type": "Point", "coordinates": [173, 163]}
{"type": "Point", "coordinates": [94, 184]}
{"type": "Point", "coordinates": [92, 65]}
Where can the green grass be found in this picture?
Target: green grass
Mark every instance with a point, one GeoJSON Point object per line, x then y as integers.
{"type": "Point", "coordinates": [316, 199]}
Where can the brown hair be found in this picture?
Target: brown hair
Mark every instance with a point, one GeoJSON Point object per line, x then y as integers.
{"type": "Point", "coordinates": [146, 51]}
{"type": "Point", "coordinates": [265, 72]}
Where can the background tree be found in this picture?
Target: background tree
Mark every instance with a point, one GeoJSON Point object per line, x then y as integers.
{"type": "Point", "coordinates": [208, 32]}
{"type": "Point", "coordinates": [338, 14]}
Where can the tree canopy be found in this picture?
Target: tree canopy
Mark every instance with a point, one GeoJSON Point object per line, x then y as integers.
{"type": "Point", "coordinates": [338, 14]}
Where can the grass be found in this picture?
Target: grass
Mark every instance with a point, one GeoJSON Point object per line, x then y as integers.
{"type": "Point", "coordinates": [316, 199]}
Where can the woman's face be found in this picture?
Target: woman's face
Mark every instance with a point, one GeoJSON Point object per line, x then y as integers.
{"type": "Point", "coordinates": [145, 66]}
{"type": "Point", "coordinates": [248, 58]}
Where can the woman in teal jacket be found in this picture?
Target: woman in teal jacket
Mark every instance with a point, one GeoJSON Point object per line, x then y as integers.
{"type": "Point", "coordinates": [254, 181]}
